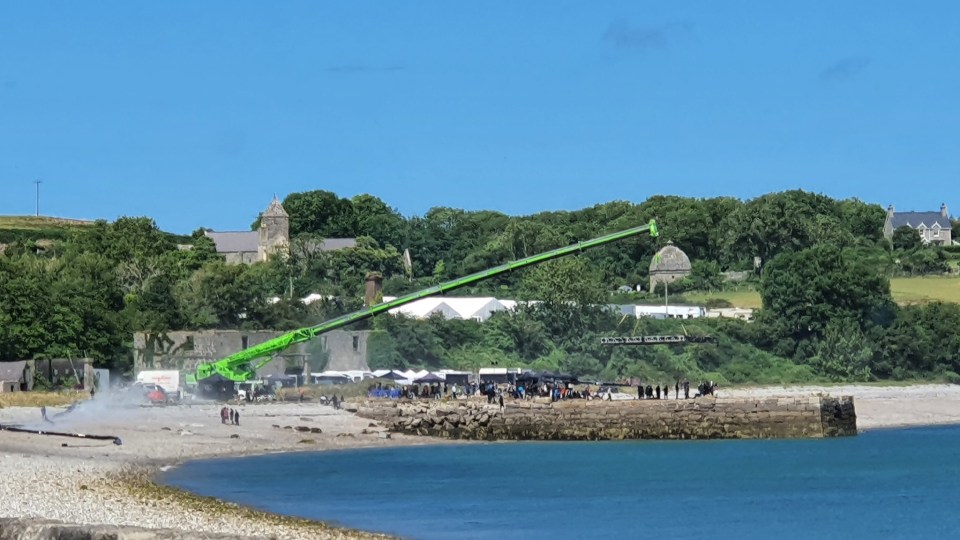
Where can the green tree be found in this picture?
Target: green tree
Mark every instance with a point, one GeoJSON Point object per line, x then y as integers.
{"type": "Point", "coordinates": [319, 212]}
{"type": "Point", "coordinates": [377, 220]}
{"type": "Point", "coordinates": [844, 353]}
{"type": "Point", "coordinates": [564, 281]}
{"type": "Point", "coordinates": [802, 291]}
{"type": "Point", "coordinates": [906, 239]}
{"type": "Point", "coordinates": [581, 365]}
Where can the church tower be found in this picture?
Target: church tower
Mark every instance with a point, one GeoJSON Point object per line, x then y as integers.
{"type": "Point", "coordinates": [274, 231]}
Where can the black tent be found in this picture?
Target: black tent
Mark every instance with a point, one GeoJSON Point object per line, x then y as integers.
{"type": "Point", "coordinates": [393, 376]}
{"type": "Point", "coordinates": [430, 378]}
{"type": "Point", "coordinates": [458, 378]}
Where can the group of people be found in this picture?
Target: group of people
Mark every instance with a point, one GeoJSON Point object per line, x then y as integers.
{"type": "Point", "coordinates": [663, 392]}
{"type": "Point", "coordinates": [705, 388]}
{"type": "Point", "coordinates": [229, 416]}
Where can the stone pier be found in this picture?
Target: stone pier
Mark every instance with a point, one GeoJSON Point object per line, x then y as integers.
{"type": "Point", "coordinates": [592, 420]}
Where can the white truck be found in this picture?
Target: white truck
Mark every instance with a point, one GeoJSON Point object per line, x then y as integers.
{"type": "Point", "coordinates": [168, 380]}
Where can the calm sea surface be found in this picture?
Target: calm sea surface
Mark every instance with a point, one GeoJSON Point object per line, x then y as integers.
{"type": "Point", "coordinates": [881, 484]}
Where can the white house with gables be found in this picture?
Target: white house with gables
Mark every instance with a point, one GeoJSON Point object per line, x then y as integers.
{"type": "Point", "coordinates": [933, 227]}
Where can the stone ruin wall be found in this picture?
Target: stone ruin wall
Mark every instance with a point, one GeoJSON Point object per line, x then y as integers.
{"type": "Point", "coordinates": [183, 350]}
{"type": "Point", "coordinates": [578, 420]}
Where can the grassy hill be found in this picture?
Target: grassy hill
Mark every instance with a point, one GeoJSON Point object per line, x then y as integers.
{"type": "Point", "coordinates": [905, 290]}
{"type": "Point", "coordinates": [37, 228]}
{"type": "Point", "coordinates": [33, 223]}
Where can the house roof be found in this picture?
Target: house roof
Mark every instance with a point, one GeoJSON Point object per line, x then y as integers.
{"type": "Point", "coordinates": [249, 242]}
{"type": "Point", "coordinates": [333, 244]}
{"type": "Point", "coordinates": [12, 371]}
{"type": "Point", "coordinates": [915, 219]}
{"type": "Point", "coordinates": [235, 242]}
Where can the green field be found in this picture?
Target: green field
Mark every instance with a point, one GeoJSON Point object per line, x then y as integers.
{"type": "Point", "coordinates": [905, 290]}
{"type": "Point", "coordinates": [919, 290]}
{"type": "Point", "coordinates": [33, 223]}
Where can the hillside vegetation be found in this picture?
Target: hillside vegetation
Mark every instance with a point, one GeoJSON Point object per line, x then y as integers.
{"type": "Point", "coordinates": [14, 228]}
{"type": "Point", "coordinates": [829, 311]}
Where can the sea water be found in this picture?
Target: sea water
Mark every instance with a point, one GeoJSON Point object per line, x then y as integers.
{"type": "Point", "coordinates": [882, 484]}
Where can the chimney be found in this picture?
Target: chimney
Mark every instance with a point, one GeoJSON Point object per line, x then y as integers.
{"type": "Point", "coordinates": [372, 289]}
{"type": "Point", "coordinates": [943, 210]}
{"type": "Point", "coordinates": [890, 211]}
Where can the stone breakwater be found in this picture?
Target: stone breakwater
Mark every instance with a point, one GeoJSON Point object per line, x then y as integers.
{"type": "Point", "coordinates": [580, 420]}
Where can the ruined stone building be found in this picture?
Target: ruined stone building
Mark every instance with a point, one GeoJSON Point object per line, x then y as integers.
{"type": "Point", "coordinates": [183, 350]}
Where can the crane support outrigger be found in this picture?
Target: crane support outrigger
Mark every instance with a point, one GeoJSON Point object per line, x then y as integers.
{"type": "Point", "coordinates": [242, 366]}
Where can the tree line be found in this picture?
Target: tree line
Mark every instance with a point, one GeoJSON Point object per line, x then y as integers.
{"type": "Point", "coordinates": [823, 277]}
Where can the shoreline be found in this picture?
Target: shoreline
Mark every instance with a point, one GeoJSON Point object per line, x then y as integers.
{"type": "Point", "coordinates": [96, 482]}
{"type": "Point", "coordinates": [86, 481]}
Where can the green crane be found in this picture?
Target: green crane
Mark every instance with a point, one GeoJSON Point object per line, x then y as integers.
{"type": "Point", "coordinates": [242, 366]}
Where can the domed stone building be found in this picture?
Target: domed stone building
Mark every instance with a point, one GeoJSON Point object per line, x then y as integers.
{"type": "Point", "coordinates": [669, 264]}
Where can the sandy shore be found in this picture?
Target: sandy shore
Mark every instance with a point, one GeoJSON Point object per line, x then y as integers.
{"type": "Point", "coordinates": [98, 482]}
{"type": "Point", "coordinates": [880, 406]}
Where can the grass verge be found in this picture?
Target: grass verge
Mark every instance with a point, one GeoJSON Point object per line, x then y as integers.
{"type": "Point", "coordinates": [39, 399]}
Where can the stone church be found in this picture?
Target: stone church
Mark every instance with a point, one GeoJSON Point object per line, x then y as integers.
{"type": "Point", "coordinates": [273, 236]}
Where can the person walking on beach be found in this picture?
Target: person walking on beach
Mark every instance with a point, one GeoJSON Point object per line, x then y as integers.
{"type": "Point", "coordinates": [501, 402]}
{"type": "Point", "coordinates": [677, 389]}
{"type": "Point", "coordinates": [666, 392]}
{"type": "Point", "coordinates": [236, 418]}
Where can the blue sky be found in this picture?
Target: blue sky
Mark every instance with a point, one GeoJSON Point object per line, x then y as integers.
{"type": "Point", "coordinates": [197, 113]}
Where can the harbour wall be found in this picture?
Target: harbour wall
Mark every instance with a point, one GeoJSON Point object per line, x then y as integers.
{"type": "Point", "coordinates": [592, 420]}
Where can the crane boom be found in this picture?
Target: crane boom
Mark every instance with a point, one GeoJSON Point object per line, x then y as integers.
{"type": "Point", "coordinates": [242, 366]}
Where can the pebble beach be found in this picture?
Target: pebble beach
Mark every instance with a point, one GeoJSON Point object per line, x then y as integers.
{"type": "Point", "coordinates": [88, 481]}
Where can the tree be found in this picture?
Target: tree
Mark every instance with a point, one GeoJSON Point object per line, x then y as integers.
{"type": "Point", "coordinates": [844, 354]}
{"type": "Point", "coordinates": [581, 365]}
{"type": "Point", "coordinates": [801, 291]}
{"type": "Point", "coordinates": [320, 212]}
{"type": "Point", "coordinates": [379, 221]}
{"type": "Point", "coordinates": [788, 221]}
{"type": "Point", "coordinates": [906, 239]}
{"type": "Point", "coordinates": [564, 281]}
